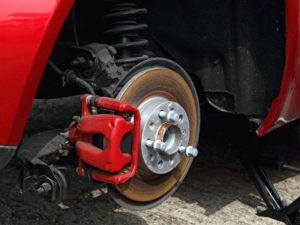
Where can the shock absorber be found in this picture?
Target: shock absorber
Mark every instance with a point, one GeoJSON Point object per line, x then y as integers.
{"type": "Point", "coordinates": [123, 31]}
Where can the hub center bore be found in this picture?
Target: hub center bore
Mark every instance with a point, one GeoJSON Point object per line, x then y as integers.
{"type": "Point", "coordinates": [164, 129]}
{"type": "Point", "coordinates": [170, 134]}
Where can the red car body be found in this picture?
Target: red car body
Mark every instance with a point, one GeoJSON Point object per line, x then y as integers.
{"type": "Point", "coordinates": [285, 107]}
{"type": "Point", "coordinates": [28, 31]}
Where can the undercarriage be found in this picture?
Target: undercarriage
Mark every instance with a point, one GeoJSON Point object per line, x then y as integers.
{"type": "Point", "coordinates": [140, 142]}
{"type": "Point", "coordinates": [141, 135]}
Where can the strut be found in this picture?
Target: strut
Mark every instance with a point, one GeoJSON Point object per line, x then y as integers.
{"type": "Point", "coordinates": [124, 32]}
{"type": "Point", "coordinates": [276, 209]}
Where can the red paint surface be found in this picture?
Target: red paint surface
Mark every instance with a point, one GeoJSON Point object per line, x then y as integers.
{"type": "Point", "coordinates": [113, 128]}
{"type": "Point", "coordinates": [28, 30]}
{"type": "Point", "coordinates": [286, 107]}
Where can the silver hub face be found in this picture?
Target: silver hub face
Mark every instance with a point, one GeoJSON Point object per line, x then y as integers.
{"type": "Point", "coordinates": [164, 129]}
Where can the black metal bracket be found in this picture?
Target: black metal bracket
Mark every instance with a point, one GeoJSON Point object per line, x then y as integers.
{"type": "Point", "coordinates": [40, 178]}
{"type": "Point", "coordinates": [40, 174]}
{"type": "Point", "coordinates": [276, 209]}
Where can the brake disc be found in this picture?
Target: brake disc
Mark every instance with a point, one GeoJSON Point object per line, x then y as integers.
{"type": "Point", "coordinates": [170, 114]}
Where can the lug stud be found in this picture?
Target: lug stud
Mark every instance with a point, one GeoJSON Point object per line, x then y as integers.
{"type": "Point", "coordinates": [173, 117]}
{"type": "Point", "coordinates": [156, 144]}
{"type": "Point", "coordinates": [162, 114]}
{"type": "Point", "coordinates": [163, 146]}
{"type": "Point", "coordinates": [182, 149]}
{"type": "Point", "coordinates": [190, 151]}
{"type": "Point", "coordinates": [149, 143]}
{"type": "Point", "coordinates": [195, 152]}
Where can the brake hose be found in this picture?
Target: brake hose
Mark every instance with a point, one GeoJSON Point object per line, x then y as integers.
{"type": "Point", "coordinates": [71, 77]}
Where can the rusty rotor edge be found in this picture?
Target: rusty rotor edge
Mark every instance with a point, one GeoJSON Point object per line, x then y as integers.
{"type": "Point", "coordinates": [132, 74]}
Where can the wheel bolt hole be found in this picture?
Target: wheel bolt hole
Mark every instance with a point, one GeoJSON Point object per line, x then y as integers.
{"type": "Point", "coordinates": [180, 118]}
{"type": "Point", "coordinates": [152, 126]}
{"type": "Point", "coordinates": [152, 157]}
{"type": "Point", "coordinates": [170, 107]}
{"type": "Point", "coordinates": [160, 164]}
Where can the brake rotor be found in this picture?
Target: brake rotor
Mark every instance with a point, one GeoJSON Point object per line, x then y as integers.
{"type": "Point", "coordinates": [161, 86]}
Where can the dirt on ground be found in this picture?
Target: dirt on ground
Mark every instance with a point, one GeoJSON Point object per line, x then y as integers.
{"type": "Point", "coordinates": [217, 190]}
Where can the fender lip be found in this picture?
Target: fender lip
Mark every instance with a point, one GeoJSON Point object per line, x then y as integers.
{"type": "Point", "coordinates": [7, 152]}
{"type": "Point", "coordinates": [29, 34]}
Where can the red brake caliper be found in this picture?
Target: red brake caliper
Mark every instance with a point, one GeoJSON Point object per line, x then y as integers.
{"type": "Point", "coordinates": [110, 160]}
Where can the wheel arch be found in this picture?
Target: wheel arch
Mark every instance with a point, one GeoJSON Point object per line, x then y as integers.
{"type": "Point", "coordinates": [29, 33]}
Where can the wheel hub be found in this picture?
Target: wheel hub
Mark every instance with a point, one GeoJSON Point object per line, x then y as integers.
{"type": "Point", "coordinates": [164, 129]}
{"type": "Point", "coordinates": [151, 86]}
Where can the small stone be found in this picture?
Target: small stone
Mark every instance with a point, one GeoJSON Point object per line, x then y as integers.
{"type": "Point", "coordinates": [62, 206]}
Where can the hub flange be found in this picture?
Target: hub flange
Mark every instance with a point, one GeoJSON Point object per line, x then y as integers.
{"type": "Point", "coordinates": [164, 129]}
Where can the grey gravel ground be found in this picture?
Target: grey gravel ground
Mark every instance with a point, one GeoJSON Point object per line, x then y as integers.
{"type": "Point", "coordinates": [217, 190]}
